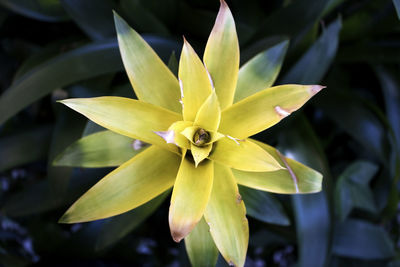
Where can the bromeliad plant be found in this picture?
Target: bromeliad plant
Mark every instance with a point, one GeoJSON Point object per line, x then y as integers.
{"type": "Point", "coordinates": [198, 127]}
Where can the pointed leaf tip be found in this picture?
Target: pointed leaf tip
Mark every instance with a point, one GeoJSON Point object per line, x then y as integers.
{"type": "Point", "coordinates": [177, 236]}
{"type": "Point", "coordinates": [221, 55]}
{"type": "Point", "coordinates": [223, 4]}
{"type": "Point", "coordinates": [190, 197]}
{"type": "Point", "coordinates": [66, 218]}
{"type": "Point", "coordinates": [314, 89]}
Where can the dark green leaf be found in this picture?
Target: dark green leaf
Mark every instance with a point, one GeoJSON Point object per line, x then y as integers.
{"type": "Point", "coordinates": [140, 18]}
{"type": "Point", "coordinates": [391, 92]}
{"type": "Point", "coordinates": [360, 239]}
{"type": "Point", "coordinates": [396, 4]}
{"type": "Point", "coordinates": [94, 17]}
{"type": "Point", "coordinates": [311, 211]}
{"type": "Point", "coordinates": [312, 66]}
{"type": "Point", "coordinates": [37, 58]}
{"type": "Point", "coordinates": [261, 71]}
{"type": "Point", "coordinates": [79, 64]}
{"type": "Point", "coordinates": [68, 128]}
{"type": "Point", "coordinates": [371, 52]}
{"type": "Point", "coordinates": [119, 226]}
{"type": "Point", "coordinates": [357, 120]}
{"type": "Point", "coordinates": [17, 149]}
{"type": "Point", "coordinates": [352, 189]}
{"type": "Point", "coordinates": [38, 197]}
{"type": "Point", "coordinates": [263, 206]}
{"type": "Point", "coordinates": [45, 10]}
{"type": "Point", "coordinates": [332, 4]}
{"type": "Point", "coordinates": [173, 64]}
{"type": "Point", "coordinates": [296, 18]}
{"type": "Point", "coordinates": [33, 199]}
{"type": "Point", "coordinates": [200, 246]}
{"type": "Point", "coordinates": [368, 19]}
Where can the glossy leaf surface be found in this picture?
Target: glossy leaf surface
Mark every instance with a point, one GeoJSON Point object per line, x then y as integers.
{"type": "Point", "coordinates": [15, 149]}
{"type": "Point", "coordinates": [127, 187]}
{"type": "Point", "coordinates": [243, 155]}
{"type": "Point", "coordinates": [310, 68]}
{"type": "Point", "coordinates": [151, 79]}
{"type": "Point", "coordinates": [126, 116]}
{"type": "Point", "coordinates": [190, 196]}
{"type": "Point", "coordinates": [221, 56]}
{"type": "Point", "coordinates": [263, 206]}
{"type": "Point", "coordinates": [296, 178]}
{"type": "Point", "coordinates": [264, 109]}
{"type": "Point", "coordinates": [194, 81]}
{"type": "Point", "coordinates": [101, 149]}
{"type": "Point", "coordinates": [363, 240]}
{"type": "Point", "coordinates": [226, 214]}
{"type": "Point", "coordinates": [352, 189]}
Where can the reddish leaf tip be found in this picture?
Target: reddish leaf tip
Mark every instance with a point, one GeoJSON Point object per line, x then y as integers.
{"type": "Point", "coordinates": [177, 236]}
{"type": "Point", "coordinates": [314, 89]}
{"type": "Point", "coordinates": [223, 3]}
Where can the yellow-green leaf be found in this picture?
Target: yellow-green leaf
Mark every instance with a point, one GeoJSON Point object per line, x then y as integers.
{"type": "Point", "coordinates": [179, 139]}
{"type": "Point", "coordinates": [226, 217]}
{"type": "Point", "coordinates": [261, 71]}
{"type": "Point", "coordinates": [209, 114]}
{"type": "Point", "coordinates": [296, 179]}
{"type": "Point", "coordinates": [221, 56]}
{"type": "Point", "coordinates": [200, 153]}
{"type": "Point", "coordinates": [189, 197]}
{"type": "Point", "coordinates": [200, 246]}
{"type": "Point", "coordinates": [151, 79]}
{"type": "Point", "coordinates": [101, 149]}
{"type": "Point", "coordinates": [129, 117]}
{"type": "Point", "coordinates": [195, 83]}
{"type": "Point", "coordinates": [243, 155]}
{"type": "Point", "coordinates": [137, 181]}
{"type": "Point", "coordinates": [264, 109]}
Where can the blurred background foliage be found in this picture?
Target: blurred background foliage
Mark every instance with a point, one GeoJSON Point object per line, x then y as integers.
{"type": "Point", "coordinates": [54, 49]}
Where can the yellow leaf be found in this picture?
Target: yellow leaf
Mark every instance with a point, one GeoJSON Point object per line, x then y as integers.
{"type": "Point", "coordinates": [135, 182]}
{"type": "Point", "coordinates": [189, 197]}
{"type": "Point", "coordinates": [128, 117]}
{"type": "Point", "coordinates": [296, 179]}
{"type": "Point", "coordinates": [209, 114]}
{"type": "Point", "coordinates": [243, 155]}
{"type": "Point", "coordinates": [195, 83]}
{"type": "Point", "coordinates": [221, 56]}
{"type": "Point", "coordinates": [264, 109]}
{"type": "Point", "coordinates": [102, 149]}
{"type": "Point", "coordinates": [226, 216]}
{"type": "Point", "coordinates": [200, 153]}
{"type": "Point", "coordinates": [151, 79]}
{"type": "Point", "coordinates": [180, 139]}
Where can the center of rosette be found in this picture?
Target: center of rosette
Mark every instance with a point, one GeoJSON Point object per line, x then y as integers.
{"type": "Point", "coordinates": [201, 137]}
